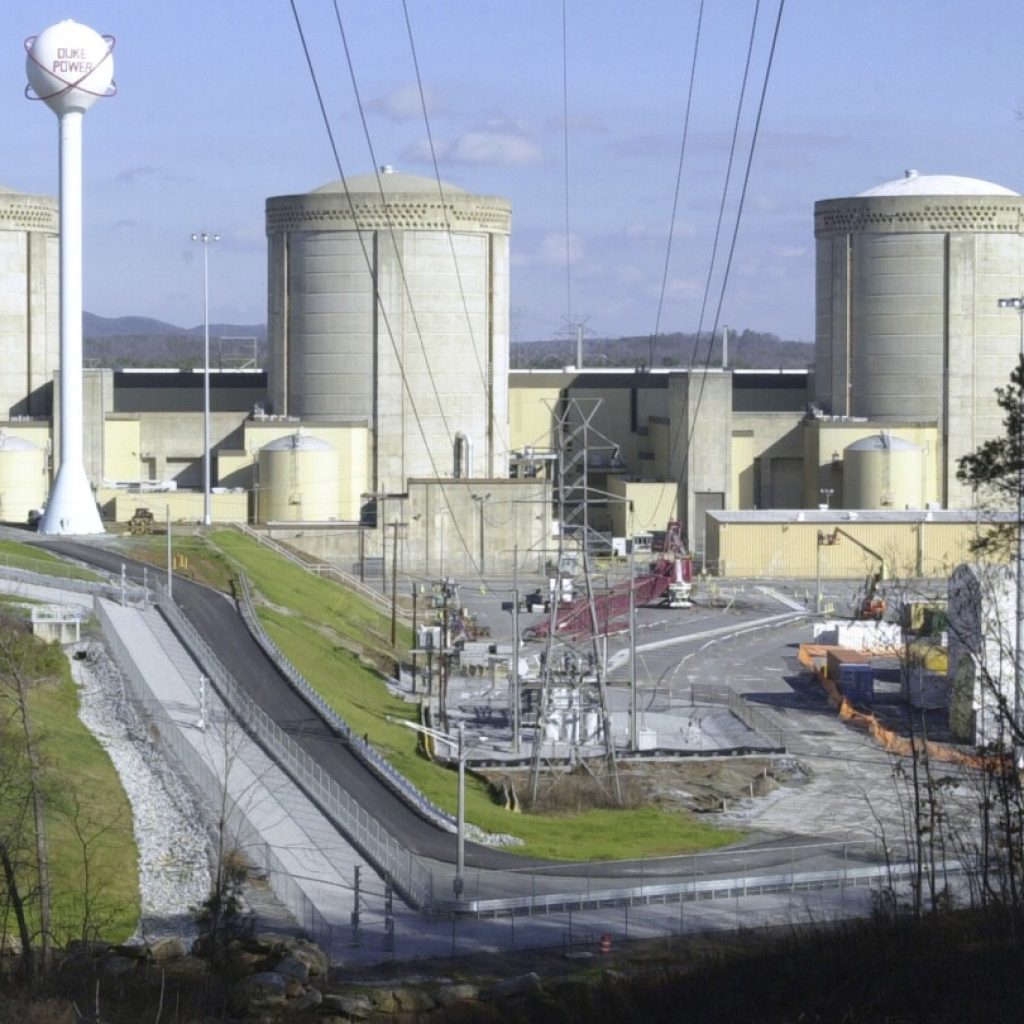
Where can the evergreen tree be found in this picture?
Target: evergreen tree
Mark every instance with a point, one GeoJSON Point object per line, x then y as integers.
{"type": "Point", "coordinates": [995, 469]}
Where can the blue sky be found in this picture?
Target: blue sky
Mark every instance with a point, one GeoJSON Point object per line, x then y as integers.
{"type": "Point", "coordinates": [216, 111]}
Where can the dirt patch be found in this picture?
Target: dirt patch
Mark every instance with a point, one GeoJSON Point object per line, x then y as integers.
{"type": "Point", "coordinates": [695, 784]}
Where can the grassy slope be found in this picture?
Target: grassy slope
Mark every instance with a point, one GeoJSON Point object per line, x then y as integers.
{"type": "Point", "coordinates": [37, 559]}
{"type": "Point", "coordinates": [78, 769]}
{"type": "Point", "coordinates": [312, 638]}
{"type": "Point", "coordinates": [313, 599]}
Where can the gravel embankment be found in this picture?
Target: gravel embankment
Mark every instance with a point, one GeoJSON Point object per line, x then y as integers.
{"type": "Point", "coordinates": [174, 872]}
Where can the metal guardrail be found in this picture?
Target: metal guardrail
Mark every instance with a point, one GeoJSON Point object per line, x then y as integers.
{"type": "Point", "coordinates": [390, 857]}
{"type": "Point", "coordinates": [412, 879]}
{"type": "Point", "coordinates": [709, 889]}
{"type": "Point", "coordinates": [128, 592]}
{"type": "Point", "coordinates": [383, 768]}
{"type": "Point", "coordinates": [754, 719]}
{"type": "Point", "coordinates": [208, 784]}
{"type": "Point", "coordinates": [323, 569]}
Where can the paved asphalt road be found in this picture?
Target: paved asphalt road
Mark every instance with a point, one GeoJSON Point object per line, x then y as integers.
{"type": "Point", "coordinates": [217, 619]}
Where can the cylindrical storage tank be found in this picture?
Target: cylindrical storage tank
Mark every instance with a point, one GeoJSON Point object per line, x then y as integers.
{"type": "Point", "coordinates": [23, 482]}
{"type": "Point", "coordinates": [883, 471]}
{"type": "Point", "coordinates": [29, 303]}
{"type": "Point", "coordinates": [388, 305]}
{"type": "Point", "coordinates": [908, 323]}
{"type": "Point", "coordinates": [299, 480]}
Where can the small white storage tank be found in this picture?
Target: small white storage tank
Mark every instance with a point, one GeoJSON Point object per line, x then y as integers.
{"type": "Point", "coordinates": [883, 471]}
{"type": "Point", "coordinates": [299, 480]}
{"type": "Point", "coordinates": [23, 483]}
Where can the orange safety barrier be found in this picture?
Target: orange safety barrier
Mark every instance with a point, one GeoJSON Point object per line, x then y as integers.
{"type": "Point", "coordinates": [881, 734]}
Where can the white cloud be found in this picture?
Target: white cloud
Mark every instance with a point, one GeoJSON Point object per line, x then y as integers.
{"type": "Point", "coordinates": [419, 151]}
{"type": "Point", "coordinates": [788, 252]}
{"type": "Point", "coordinates": [552, 249]}
{"type": "Point", "coordinates": [403, 103]}
{"type": "Point", "coordinates": [495, 145]}
{"type": "Point", "coordinates": [143, 174]}
{"type": "Point", "coordinates": [645, 232]}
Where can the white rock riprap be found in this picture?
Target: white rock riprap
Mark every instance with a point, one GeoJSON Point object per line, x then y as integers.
{"type": "Point", "coordinates": [174, 873]}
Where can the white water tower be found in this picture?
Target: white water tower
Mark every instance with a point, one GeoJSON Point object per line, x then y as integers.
{"type": "Point", "coordinates": [70, 67]}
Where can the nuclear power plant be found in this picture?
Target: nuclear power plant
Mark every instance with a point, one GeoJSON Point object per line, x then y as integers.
{"type": "Point", "coordinates": [388, 307]}
{"type": "Point", "coordinates": [909, 328]}
{"type": "Point", "coordinates": [388, 413]}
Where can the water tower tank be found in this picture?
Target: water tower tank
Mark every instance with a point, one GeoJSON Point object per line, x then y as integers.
{"type": "Point", "coordinates": [23, 481]}
{"type": "Point", "coordinates": [388, 306]}
{"type": "Point", "coordinates": [298, 480]}
{"type": "Point", "coordinates": [908, 323]}
{"type": "Point", "coordinates": [883, 471]}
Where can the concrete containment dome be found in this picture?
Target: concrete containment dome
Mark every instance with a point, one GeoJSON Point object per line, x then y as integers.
{"type": "Point", "coordinates": [298, 480]}
{"type": "Point", "coordinates": [23, 481]}
{"type": "Point", "coordinates": [883, 471]}
{"type": "Point", "coordinates": [915, 184]}
{"type": "Point", "coordinates": [388, 307]}
{"type": "Point", "coordinates": [908, 324]}
{"type": "Point", "coordinates": [29, 303]}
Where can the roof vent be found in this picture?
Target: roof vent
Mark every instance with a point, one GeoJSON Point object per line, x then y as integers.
{"type": "Point", "coordinates": [389, 169]}
{"type": "Point", "coordinates": [910, 175]}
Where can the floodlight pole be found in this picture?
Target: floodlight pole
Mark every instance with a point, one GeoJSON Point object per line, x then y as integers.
{"type": "Point", "coordinates": [460, 821]}
{"type": "Point", "coordinates": [1017, 303]}
{"type": "Point", "coordinates": [634, 702]}
{"type": "Point", "coordinates": [513, 682]}
{"type": "Point", "coordinates": [170, 561]}
{"type": "Point", "coordinates": [481, 500]}
{"type": "Point", "coordinates": [206, 238]}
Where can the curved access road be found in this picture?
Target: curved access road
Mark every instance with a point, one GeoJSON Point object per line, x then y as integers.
{"type": "Point", "coordinates": [220, 624]}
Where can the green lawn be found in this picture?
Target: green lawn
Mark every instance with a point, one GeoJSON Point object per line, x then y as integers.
{"type": "Point", "coordinates": [362, 700]}
{"type": "Point", "coordinates": [318, 624]}
{"type": "Point", "coordinates": [316, 600]}
{"type": "Point", "coordinates": [93, 856]}
{"type": "Point", "coordinates": [37, 559]}
{"type": "Point", "coordinates": [194, 557]}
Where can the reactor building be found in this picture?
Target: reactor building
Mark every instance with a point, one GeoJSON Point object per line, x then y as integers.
{"type": "Point", "coordinates": [388, 400]}
{"type": "Point", "coordinates": [388, 308]}
{"type": "Point", "coordinates": [910, 333]}
{"type": "Point", "coordinates": [29, 303]}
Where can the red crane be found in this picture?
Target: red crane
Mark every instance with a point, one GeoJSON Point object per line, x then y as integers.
{"type": "Point", "coordinates": [573, 619]}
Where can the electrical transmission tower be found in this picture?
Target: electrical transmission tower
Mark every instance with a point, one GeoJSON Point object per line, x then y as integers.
{"type": "Point", "coordinates": [573, 689]}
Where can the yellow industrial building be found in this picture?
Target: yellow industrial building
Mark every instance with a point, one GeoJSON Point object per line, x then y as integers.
{"type": "Point", "coordinates": [417, 427]}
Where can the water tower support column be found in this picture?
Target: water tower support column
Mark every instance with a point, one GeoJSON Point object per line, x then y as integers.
{"type": "Point", "coordinates": [71, 507]}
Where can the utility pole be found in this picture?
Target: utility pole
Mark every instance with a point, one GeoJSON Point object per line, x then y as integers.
{"type": "Point", "coordinates": [170, 559]}
{"type": "Point", "coordinates": [481, 500]}
{"type": "Point", "coordinates": [513, 684]}
{"type": "Point", "coordinates": [443, 681]}
{"type": "Point", "coordinates": [460, 846]}
{"type": "Point", "coordinates": [634, 745]}
{"type": "Point", "coordinates": [415, 635]}
{"type": "Point", "coordinates": [394, 581]}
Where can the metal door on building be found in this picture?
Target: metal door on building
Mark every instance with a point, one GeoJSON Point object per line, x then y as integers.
{"type": "Point", "coordinates": [703, 501]}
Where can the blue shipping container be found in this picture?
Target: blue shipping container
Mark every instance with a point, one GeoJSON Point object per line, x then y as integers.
{"type": "Point", "coordinates": [857, 683]}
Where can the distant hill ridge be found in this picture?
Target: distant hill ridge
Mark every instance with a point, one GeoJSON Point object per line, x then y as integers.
{"type": "Point", "coordinates": [747, 350]}
{"type": "Point", "coordinates": [94, 326]}
{"type": "Point", "coordinates": [143, 341]}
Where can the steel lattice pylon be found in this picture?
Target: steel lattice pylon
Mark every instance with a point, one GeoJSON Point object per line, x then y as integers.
{"type": "Point", "coordinates": [576, 442]}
